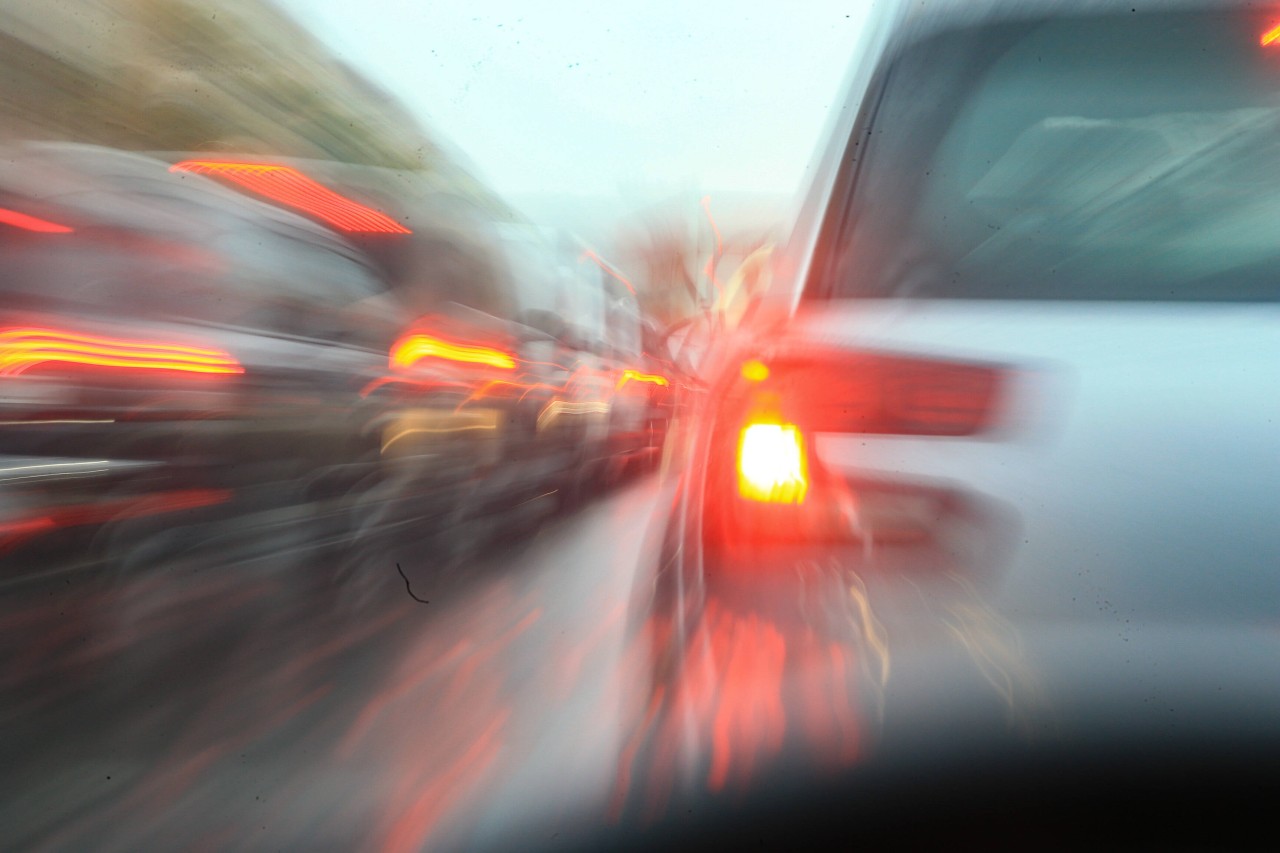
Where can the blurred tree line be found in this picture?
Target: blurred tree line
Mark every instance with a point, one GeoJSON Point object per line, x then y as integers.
{"type": "Point", "coordinates": [186, 75]}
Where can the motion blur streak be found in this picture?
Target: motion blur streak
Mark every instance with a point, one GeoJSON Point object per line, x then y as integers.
{"type": "Point", "coordinates": [31, 223]}
{"type": "Point", "coordinates": [21, 349]}
{"type": "Point", "coordinates": [651, 378]}
{"type": "Point", "coordinates": [412, 349]}
{"type": "Point", "coordinates": [874, 638]}
{"type": "Point", "coordinates": [173, 501]}
{"type": "Point", "coordinates": [13, 533]}
{"type": "Point", "coordinates": [1271, 35]}
{"type": "Point", "coordinates": [556, 408]}
{"type": "Point", "coordinates": [609, 269]}
{"type": "Point", "coordinates": [749, 721]}
{"type": "Point", "coordinates": [289, 186]}
{"type": "Point", "coordinates": [753, 691]}
{"type": "Point", "coordinates": [97, 512]}
{"type": "Point", "coordinates": [391, 439]}
{"type": "Point", "coordinates": [710, 270]}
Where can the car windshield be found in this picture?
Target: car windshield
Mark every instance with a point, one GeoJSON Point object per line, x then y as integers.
{"type": "Point", "coordinates": [1125, 157]}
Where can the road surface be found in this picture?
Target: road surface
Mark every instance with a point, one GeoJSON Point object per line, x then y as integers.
{"type": "Point", "coordinates": [242, 698]}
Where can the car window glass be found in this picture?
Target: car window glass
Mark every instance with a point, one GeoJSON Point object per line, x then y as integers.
{"type": "Point", "coordinates": [1094, 158]}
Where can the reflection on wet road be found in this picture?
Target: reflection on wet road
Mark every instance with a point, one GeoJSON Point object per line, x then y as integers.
{"type": "Point", "coordinates": [217, 704]}
{"type": "Point", "coordinates": [280, 690]}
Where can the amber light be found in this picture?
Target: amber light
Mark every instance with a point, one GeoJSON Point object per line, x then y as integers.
{"type": "Point", "coordinates": [289, 186]}
{"type": "Point", "coordinates": [411, 349]}
{"type": "Point", "coordinates": [21, 349]}
{"type": "Point", "coordinates": [1271, 36]}
{"type": "Point", "coordinates": [755, 371]}
{"type": "Point", "coordinates": [652, 378]}
{"type": "Point", "coordinates": [31, 223]}
{"type": "Point", "coordinates": [771, 463]}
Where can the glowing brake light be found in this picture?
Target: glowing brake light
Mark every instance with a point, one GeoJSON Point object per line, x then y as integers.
{"type": "Point", "coordinates": [771, 463]}
{"type": "Point", "coordinates": [411, 349]}
{"type": "Point", "coordinates": [289, 186]}
{"type": "Point", "coordinates": [24, 348]}
{"type": "Point", "coordinates": [652, 378]}
{"type": "Point", "coordinates": [1271, 36]}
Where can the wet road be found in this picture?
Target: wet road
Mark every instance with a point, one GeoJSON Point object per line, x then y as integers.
{"type": "Point", "coordinates": [244, 698]}
{"type": "Point", "coordinates": [263, 693]}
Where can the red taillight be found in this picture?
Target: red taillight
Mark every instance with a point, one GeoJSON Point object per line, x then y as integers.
{"type": "Point", "coordinates": [24, 348]}
{"type": "Point", "coordinates": [772, 467]}
{"type": "Point", "coordinates": [767, 483]}
{"type": "Point", "coordinates": [413, 348]}
{"type": "Point", "coordinates": [31, 223]}
{"type": "Point", "coordinates": [289, 186]}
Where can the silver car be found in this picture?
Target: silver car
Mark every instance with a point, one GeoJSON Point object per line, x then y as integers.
{"type": "Point", "coordinates": [1006, 418]}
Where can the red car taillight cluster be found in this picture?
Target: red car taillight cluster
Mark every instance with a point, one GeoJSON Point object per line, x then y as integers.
{"type": "Point", "coordinates": [766, 480]}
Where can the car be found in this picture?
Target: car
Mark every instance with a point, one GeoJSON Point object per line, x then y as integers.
{"type": "Point", "coordinates": [641, 379]}
{"type": "Point", "coordinates": [998, 429]}
{"type": "Point", "coordinates": [185, 345]}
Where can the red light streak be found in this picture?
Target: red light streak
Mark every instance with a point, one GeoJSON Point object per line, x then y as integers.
{"type": "Point", "coordinates": [31, 223]}
{"type": "Point", "coordinates": [749, 721]}
{"type": "Point", "coordinates": [289, 186]}
{"type": "Point", "coordinates": [652, 378]}
{"type": "Point", "coordinates": [77, 515]}
{"type": "Point", "coordinates": [13, 533]}
{"type": "Point", "coordinates": [609, 269]}
{"type": "Point", "coordinates": [1270, 36]}
{"type": "Point", "coordinates": [412, 348]}
{"type": "Point", "coordinates": [21, 349]}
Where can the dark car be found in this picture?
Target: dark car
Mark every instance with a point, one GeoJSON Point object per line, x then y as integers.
{"type": "Point", "coordinates": [987, 476]}
{"type": "Point", "coordinates": [158, 323]}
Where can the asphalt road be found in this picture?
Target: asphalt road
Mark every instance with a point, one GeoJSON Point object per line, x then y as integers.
{"type": "Point", "coordinates": [260, 692]}
{"type": "Point", "coordinates": [263, 693]}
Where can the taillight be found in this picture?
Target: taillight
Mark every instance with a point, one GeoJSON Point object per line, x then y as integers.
{"type": "Point", "coordinates": [28, 222]}
{"type": "Point", "coordinates": [22, 349]}
{"type": "Point", "coordinates": [771, 463]}
{"type": "Point", "coordinates": [413, 348]}
{"type": "Point", "coordinates": [766, 482]}
{"type": "Point", "coordinates": [630, 375]}
{"type": "Point", "coordinates": [288, 186]}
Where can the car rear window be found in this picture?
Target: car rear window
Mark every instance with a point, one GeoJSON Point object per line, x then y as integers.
{"type": "Point", "coordinates": [1127, 157]}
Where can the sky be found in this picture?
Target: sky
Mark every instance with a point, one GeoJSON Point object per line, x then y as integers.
{"type": "Point", "coordinates": [625, 97]}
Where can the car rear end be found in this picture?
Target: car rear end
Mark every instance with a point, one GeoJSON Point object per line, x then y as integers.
{"type": "Point", "coordinates": [1004, 428]}
{"type": "Point", "coordinates": [167, 327]}
{"type": "Point", "coordinates": [1033, 344]}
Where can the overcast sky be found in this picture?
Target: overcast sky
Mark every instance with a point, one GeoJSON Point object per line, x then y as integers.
{"type": "Point", "coordinates": [639, 97]}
